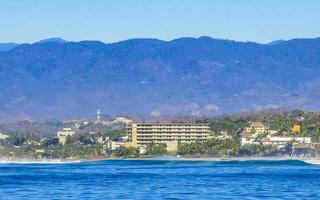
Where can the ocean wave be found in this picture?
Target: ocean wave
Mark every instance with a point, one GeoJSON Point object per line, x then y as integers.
{"type": "Point", "coordinates": [244, 160]}
{"type": "Point", "coordinates": [248, 160]}
{"type": "Point", "coordinates": [312, 161]}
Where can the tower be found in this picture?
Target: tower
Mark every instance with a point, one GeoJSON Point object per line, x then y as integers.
{"type": "Point", "coordinates": [98, 120]}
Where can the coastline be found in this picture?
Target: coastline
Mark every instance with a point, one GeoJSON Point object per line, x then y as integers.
{"type": "Point", "coordinates": [311, 160]}
{"type": "Point", "coordinates": [224, 159]}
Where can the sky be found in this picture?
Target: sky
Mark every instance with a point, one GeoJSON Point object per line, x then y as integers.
{"type": "Point", "coordinates": [115, 20]}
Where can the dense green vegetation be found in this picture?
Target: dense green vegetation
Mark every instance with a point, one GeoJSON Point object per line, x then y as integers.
{"type": "Point", "coordinates": [79, 146]}
{"type": "Point", "coordinates": [115, 134]}
{"type": "Point", "coordinates": [129, 152]}
{"type": "Point", "coordinates": [231, 125]}
{"type": "Point", "coordinates": [72, 151]}
{"type": "Point", "coordinates": [212, 147]}
{"type": "Point", "coordinates": [157, 149]}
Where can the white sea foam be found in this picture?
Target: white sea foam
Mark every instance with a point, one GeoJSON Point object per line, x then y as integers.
{"type": "Point", "coordinates": [238, 159]}
{"type": "Point", "coordinates": [312, 161]}
{"type": "Point", "coordinates": [30, 161]}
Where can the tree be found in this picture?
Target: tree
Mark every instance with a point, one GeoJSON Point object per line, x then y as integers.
{"type": "Point", "coordinates": [17, 139]}
{"type": "Point", "coordinates": [115, 134]}
{"type": "Point", "coordinates": [131, 152]}
{"type": "Point", "coordinates": [51, 141]}
{"type": "Point", "coordinates": [156, 149]}
{"type": "Point", "coordinates": [84, 139]}
{"type": "Point", "coordinates": [71, 139]}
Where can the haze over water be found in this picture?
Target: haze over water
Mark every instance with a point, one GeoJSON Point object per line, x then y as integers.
{"type": "Point", "coordinates": [161, 180]}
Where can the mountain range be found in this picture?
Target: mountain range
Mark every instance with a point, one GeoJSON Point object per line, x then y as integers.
{"type": "Point", "coordinates": [57, 79]}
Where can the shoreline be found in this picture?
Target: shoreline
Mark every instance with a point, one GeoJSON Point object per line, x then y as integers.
{"type": "Point", "coordinates": [311, 160]}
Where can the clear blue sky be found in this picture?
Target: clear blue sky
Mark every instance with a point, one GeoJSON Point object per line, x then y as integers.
{"type": "Point", "coordinates": [114, 20]}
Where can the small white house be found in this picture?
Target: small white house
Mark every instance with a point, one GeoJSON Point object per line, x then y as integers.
{"type": "Point", "coordinates": [122, 120]}
{"type": "Point", "coordinates": [3, 136]}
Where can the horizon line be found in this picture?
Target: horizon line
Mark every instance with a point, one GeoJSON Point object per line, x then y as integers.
{"type": "Point", "coordinates": [164, 40]}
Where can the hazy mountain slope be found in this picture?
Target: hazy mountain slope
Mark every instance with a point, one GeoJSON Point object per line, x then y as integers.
{"type": "Point", "coordinates": [7, 46]}
{"type": "Point", "coordinates": [143, 76]}
{"type": "Point", "coordinates": [55, 40]}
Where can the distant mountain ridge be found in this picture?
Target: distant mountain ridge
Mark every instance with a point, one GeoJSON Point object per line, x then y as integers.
{"type": "Point", "coordinates": [7, 46]}
{"type": "Point", "coordinates": [10, 45]}
{"type": "Point", "coordinates": [196, 76]}
{"type": "Point", "coordinates": [54, 40]}
{"type": "Point", "coordinates": [276, 42]}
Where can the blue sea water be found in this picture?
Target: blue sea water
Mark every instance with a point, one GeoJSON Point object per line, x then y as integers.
{"type": "Point", "coordinates": [161, 180]}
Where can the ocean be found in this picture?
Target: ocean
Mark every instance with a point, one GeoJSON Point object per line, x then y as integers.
{"type": "Point", "coordinates": [161, 179]}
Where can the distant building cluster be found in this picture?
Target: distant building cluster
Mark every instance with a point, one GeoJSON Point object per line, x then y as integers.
{"type": "Point", "coordinates": [258, 133]}
{"type": "Point", "coordinates": [170, 135]}
{"type": "Point", "coordinates": [63, 134]}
